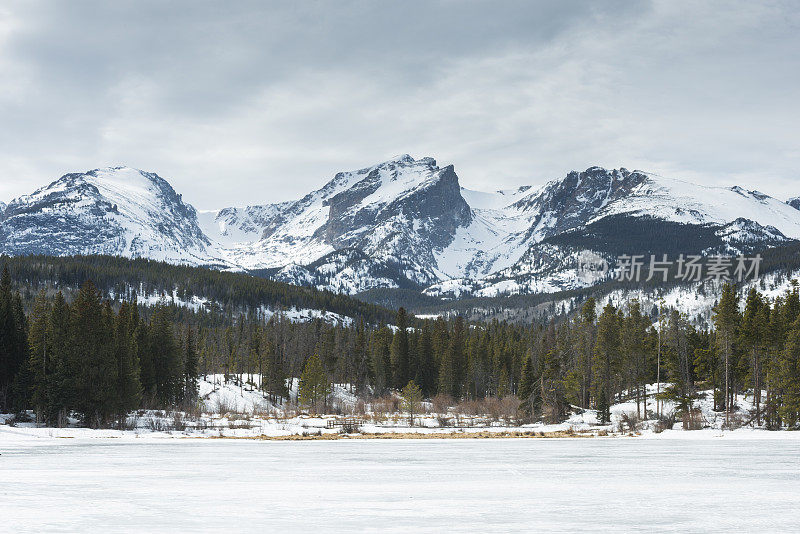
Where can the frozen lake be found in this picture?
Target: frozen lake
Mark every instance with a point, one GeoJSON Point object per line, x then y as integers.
{"type": "Point", "coordinates": [399, 485]}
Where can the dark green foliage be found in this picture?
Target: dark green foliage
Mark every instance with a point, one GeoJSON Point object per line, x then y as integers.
{"type": "Point", "coordinates": [93, 369]}
{"type": "Point", "coordinates": [101, 358]}
{"type": "Point", "coordinates": [190, 364]}
{"type": "Point", "coordinates": [400, 351]}
{"type": "Point", "coordinates": [230, 292]}
{"type": "Point", "coordinates": [529, 389]}
{"type": "Point", "coordinates": [314, 384]}
{"type": "Point", "coordinates": [13, 347]}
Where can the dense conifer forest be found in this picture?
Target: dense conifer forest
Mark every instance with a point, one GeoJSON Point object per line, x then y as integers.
{"type": "Point", "coordinates": [97, 359]}
{"type": "Point", "coordinates": [128, 278]}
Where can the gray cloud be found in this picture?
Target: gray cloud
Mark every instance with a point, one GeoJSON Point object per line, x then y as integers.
{"type": "Point", "coordinates": [244, 102]}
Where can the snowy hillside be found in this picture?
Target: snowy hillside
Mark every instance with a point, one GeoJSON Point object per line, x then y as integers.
{"type": "Point", "coordinates": [684, 202]}
{"type": "Point", "coordinates": [404, 223]}
{"type": "Point", "coordinates": [116, 211]}
{"type": "Point", "coordinates": [400, 212]}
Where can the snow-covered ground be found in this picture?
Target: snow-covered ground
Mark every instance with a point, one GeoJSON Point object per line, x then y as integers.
{"type": "Point", "coordinates": [159, 477]}
{"type": "Point", "coordinates": [238, 409]}
{"type": "Point", "coordinates": [466, 485]}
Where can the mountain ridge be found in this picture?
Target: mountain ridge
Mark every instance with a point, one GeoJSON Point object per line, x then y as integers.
{"type": "Point", "coordinates": [404, 223]}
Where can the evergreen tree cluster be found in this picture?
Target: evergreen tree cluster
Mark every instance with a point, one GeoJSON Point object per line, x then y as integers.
{"type": "Point", "coordinates": [226, 292]}
{"type": "Point", "coordinates": [100, 359]}
{"type": "Point", "coordinates": [86, 358]}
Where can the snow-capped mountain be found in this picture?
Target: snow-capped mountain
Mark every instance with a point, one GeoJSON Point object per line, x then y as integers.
{"type": "Point", "coordinates": [404, 223]}
{"type": "Point", "coordinates": [116, 211]}
{"type": "Point", "coordinates": [398, 215]}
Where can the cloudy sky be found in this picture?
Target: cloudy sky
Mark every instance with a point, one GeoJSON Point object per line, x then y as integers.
{"type": "Point", "coordinates": [238, 102]}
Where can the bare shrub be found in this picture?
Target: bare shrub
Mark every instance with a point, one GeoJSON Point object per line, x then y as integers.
{"type": "Point", "coordinates": [130, 422]}
{"type": "Point", "coordinates": [442, 403]}
{"type": "Point", "coordinates": [201, 424]}
{"type": "Point", "coordinates": [469, 407]}
{"type": "Point", "coordinates": [443, 421]}
{"type": "Point", "coordinates": [360, 407]}
{"type": "Point", "coordinates": [492, 407]}
{"type": "Point", "coordinates": [509, 407]}
{"type": "Point", "coordinates": [350, 427]}
{"type": "Point", "coordinates": [735, 420]}
{"type": "Point", "coordinates": [629, 422]}
{"type": "Point", "coordinates": [178, 421]}
{"type": "Point", "coordinates": [693, 419]}
{"type": "Point", "coordinates": [222, 406]}
{"type": "Point", "coordinates": [665, 422]}
{"type": "Point", "coordinates": [386, 404]}
{"type": "Point", "coordinates": [241, 424]}
{"type": "Point", "coordinates": [156, 424]}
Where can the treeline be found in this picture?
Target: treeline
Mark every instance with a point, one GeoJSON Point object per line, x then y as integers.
{"type": "Point", "coordinates": [87, 359]}
{"type": "Point", "coordinates": [232, 292]}
{"type": "Point", "coordinates": [587, 360]}
{"type": "Point", "coordinates": [98, 359]}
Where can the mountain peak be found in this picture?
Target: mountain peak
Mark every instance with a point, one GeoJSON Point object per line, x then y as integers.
{"type": "Point", "coordinates": [110, 210]}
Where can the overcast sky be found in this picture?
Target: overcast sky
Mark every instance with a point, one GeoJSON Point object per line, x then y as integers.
{"type": "Point", "coordinates": [239, 103]}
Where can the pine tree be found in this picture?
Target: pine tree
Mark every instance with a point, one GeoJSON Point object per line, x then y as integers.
{"type": "Point", "coordinates": [606, 360]}
{"type": "Point", "coordinates": [412, 397]}
{"type": "Point", "coordinates": [447, 383]}
{"type": "Point", "coordinates": [274, 379]}
{"type": "Point", "coordinates": [726, 320]}
{"type": "Point", "coordinates": [529, 389]}
{"type": "Point", "coordinates": [503, 384]}
{"type": "Point", "coordinates": [381, 367]}
{"type": "Point", "coordinates": [788, 379]}
{"type": "Point", "coordinates": [13, 346]}
{"type": "Point", "coordinates": [61, 398]}
{"type": "Point", "coordinates": [586, 345]}
{"type": "Point", "coordinates": [314, 385]}
{"type": "Point", "coordinates": [400, 350]}
{"type": "Point", "coordinates": [40, 362]}
{"type": "Point", "coordinates": [426, 371]}
{"type": "Point", "coordinates": [128, 388]}
{"type": "Point", "coordinates": [678, 361]}
{"type": "Point", "coordinates": [164, 358]}
{"type": "Point", "coordinates": [636, 353]}
{"type": "Point", "coordinates": [457, 357]}
{"type": "Point", "coordinates": [753, 339]}
{"type": "Point", "coordinates": [190, 365]}
{"type": "Point", "coordinates": [92, 357]}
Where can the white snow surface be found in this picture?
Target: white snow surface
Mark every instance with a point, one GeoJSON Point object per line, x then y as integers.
{"type": "Point", "coordinates": [680, 201]}
{"type": "Point", "coordinates": [140, 212]}
{"type": "Point", "coordinates": [485, 257]}
{"type": "Point", "coordinates": [157, 481]}
{"type": "Point", "coordinates": [542, 485]}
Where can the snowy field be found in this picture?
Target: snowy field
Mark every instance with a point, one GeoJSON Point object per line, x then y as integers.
{"type": "Point", "coordinates": [238, 409]}
{"type": "Point", "coordinates": [553, 485]}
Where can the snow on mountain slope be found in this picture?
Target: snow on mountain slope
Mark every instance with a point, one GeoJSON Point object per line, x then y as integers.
{"type": "Point", "coordinates": [116, 211]}
{"type": "Point", "coordinates": [402, 211]}
{"type": "Point", "coordinates": [684, 202]}
{"type": "Point", "coordinates": [231, 227]}
{"type": "Point", "coordinates": [404, 223]}
{"type": "Point", "coordinates": [518, 259]}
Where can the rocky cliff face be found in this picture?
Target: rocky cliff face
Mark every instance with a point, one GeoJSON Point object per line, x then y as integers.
{"type": "Point", "coordinates": [115, 211]}
{"type": "Point", "coordinates": [403, 223]}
